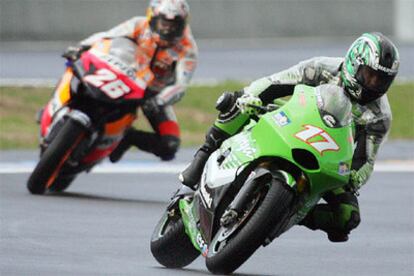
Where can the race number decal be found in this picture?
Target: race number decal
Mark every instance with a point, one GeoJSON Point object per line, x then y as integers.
{"type": "Point", "coordinates": [108, 82]}
{"type": "Point", "coordinates": [318, 138]}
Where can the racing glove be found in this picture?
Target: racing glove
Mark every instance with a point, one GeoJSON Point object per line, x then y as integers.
{"type": "Point", "coordinates": [244, 104]}
{"type": "Point", "coordinates": [74, 52]}
{"type": "Point", "coordinates": [359, 177]}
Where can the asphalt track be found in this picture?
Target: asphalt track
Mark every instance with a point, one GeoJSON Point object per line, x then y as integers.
{"type": "Point", "coordinates": [103, 223]}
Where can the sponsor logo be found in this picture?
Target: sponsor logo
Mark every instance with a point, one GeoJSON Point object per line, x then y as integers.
{"type": "Point", "coordinates": [319, 100]}
{"type": "Point", "coordinates": [343, 168]}
{"type": "Point", "coordinates": [329, 120]}
{"type": "Point", "coordinates": [245, 147]}
{"type": "Point", "coordinates": [281, 119]}
{"type": "Point", "coordinates": [302, 99]}
{"type": "Point", "coordinates": [386, 70]}
{"type": "Point", "coordinates": [205, 194]}
{"type": "Point", "coordinates": [202, 244]}
{"type": "Point", "coordinates": [115, 62]}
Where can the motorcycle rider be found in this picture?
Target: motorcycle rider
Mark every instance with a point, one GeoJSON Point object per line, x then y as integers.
{"type": "Point", "coordinates": [366, 73]}
{"type": "Point", "coordinates": [166, 58]}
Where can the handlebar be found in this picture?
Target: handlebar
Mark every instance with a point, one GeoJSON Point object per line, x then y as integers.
{"type": "Point", "coordinates": [264, 109]}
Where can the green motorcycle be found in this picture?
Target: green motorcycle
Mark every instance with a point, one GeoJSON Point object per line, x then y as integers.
{"type": "Point", "coordinates": [260, 182]}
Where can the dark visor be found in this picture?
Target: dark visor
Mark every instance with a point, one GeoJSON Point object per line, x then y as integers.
{"type": "Point", "coordinates": [169, 29]}
{"type": "Point", "coordinates": [374, 80]}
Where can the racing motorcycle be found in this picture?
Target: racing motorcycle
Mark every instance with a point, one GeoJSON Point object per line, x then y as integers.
{"type": "Point", "coordinates": [260, 182]}
{"type": "Point", "coordinates": [94, 104]}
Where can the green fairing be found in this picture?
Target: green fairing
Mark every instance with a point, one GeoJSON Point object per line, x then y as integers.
{"type": "Point", "coordinates": [272, 136]}
{"type": "Point", "coordinates": [274, 140]}
{"type": "Point", "coordinates": [267, 138]}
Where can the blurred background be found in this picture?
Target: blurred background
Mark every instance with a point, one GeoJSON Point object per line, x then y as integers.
{"type": "Point", "coordinates": [53, 20]}
{"type": "Point", "coordinates": [285, 32]}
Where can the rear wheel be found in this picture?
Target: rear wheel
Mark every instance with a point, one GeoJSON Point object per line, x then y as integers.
{"type": "Point", "coordinates": [47, 169]}
{"type": "Point", "coordinates": [266, 210]}
{"type": "Point", "coordinates": [170, 245]}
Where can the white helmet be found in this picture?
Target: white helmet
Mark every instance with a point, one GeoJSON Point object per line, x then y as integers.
{"type": "Point", "coordinates": [168, 19]}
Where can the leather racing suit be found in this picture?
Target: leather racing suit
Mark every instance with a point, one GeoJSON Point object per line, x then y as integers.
{"type": "Point", "coordinates": [341, 213]}
{"type": "Point", "coordinates": [167, 72]}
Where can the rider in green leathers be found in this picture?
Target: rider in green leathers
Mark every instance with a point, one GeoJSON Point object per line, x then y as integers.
{"type": "Point", "coordinates": [365, 73]}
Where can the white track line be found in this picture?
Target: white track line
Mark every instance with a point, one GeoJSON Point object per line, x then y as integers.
{"type": "Point", "coordinates": [174, 168]}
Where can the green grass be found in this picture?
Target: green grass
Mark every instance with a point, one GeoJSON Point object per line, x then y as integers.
{"type": "Point", "coordinates": [401, 98]}
{"type": "Point", "coordinates": [196, 113]}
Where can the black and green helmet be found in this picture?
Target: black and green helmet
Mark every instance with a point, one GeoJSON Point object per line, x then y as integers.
{"type": "Point", "coordinates": [369, 68]}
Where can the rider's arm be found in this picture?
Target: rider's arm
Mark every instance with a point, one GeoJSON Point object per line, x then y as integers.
{"type": "Point", "coordinates": [125, 29]}
{"type": "Point", "coordinates": [183, 73]}
{"type": "Point", "coordinates": [374, 126]}
{"type": "Point", "coordinates": [281, 84]}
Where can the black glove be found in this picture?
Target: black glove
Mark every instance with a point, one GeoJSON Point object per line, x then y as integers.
{"type": "Point", "coordinates": [74, 52]}
{"type": "Point", "coordinates": [152, 106]}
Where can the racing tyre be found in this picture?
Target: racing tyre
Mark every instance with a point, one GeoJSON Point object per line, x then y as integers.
{"type": "Point", "coordinates": [47, 169]}
{"type": "Point", "coordinates": [170, 245]}
{"type": "Point", "coordinates": [61, 183]}
{"type": "Point", "coordinates": [266, 210]}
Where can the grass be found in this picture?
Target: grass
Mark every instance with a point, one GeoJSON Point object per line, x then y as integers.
{"type": "Point", "coordinates": [195, 113]}
{"type": "Point", "coordinates": [402, 105]}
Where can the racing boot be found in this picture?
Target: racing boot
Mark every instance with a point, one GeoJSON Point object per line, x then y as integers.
{"type": "Point", "coordinates": [191, 175]}
{"type": "Point", "coordinates": [141, 139]}
{"type": "Point", "coordinates": [122, 147]}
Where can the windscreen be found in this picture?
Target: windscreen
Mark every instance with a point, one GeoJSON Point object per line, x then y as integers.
{"type": "Point", "coordinates": [124, 50]}
{"type": "Point", "coordinates": [334, 106]}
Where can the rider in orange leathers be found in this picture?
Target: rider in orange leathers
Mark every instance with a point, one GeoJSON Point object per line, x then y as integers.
{"type": "Point", "coordinates": [166, 57]}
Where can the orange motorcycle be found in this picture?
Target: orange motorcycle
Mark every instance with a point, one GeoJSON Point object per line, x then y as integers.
{"type": "Point", "coordinates": [94, 103]}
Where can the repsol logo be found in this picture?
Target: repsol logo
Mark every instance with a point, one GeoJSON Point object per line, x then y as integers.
{"type": "Point", "coordinates": [119, 65]}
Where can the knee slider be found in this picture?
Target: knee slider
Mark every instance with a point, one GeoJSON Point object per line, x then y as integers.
{"type": "Point", "coordinates": [353, 221]}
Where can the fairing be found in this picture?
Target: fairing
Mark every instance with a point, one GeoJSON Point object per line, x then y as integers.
{"type": "Point", "coordinates": [299, 124]}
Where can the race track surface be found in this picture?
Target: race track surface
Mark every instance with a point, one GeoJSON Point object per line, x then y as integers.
{"type": "Point", "coordinates": [102, 226]}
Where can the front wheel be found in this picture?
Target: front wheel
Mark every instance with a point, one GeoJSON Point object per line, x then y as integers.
{"type": "Point", "coordinates": [170, 245]}
{"type": "Point", "coordinates": [61, 183]}
{"type": "Point", "coordinates": [47, 170]}
{"type": "Point", "coordinates": [266, 210]}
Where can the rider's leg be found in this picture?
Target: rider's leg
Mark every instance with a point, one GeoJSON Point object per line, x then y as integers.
{"type": "Point", "coordinates": [163, 143]}
{"type": "Point", "coordinates": [337, 218]}
{"type": "Point", "coordinates": [228, 123]}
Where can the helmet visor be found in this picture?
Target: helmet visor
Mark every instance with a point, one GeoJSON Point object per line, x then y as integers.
{"type": "Point", "coordinates": [374, 80]}
{"type": "Point", "coordinates": [169, 29]}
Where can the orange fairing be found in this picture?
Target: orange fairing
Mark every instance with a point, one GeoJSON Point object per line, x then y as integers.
{"type": "Point", "coordinates": [117, 127]}
{"type": "Point", "coordinates": [63, 89]}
